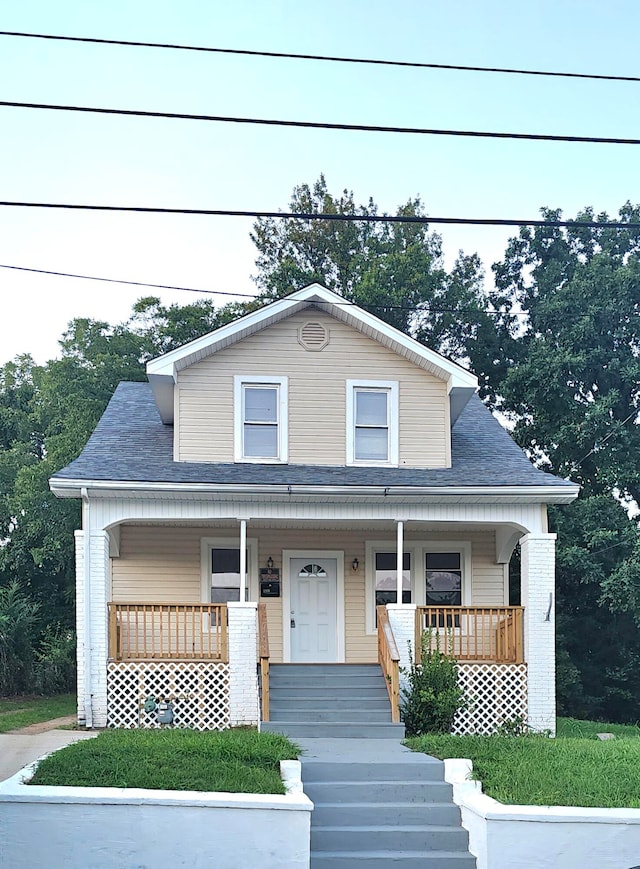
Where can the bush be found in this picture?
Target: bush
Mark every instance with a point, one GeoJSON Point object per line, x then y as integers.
{"type": "Point", "coordinates": [18, 621]}
{"type": "Point", "coordinates": [432, 697]}
{"type": "Point", "coordinates": [55, 667]}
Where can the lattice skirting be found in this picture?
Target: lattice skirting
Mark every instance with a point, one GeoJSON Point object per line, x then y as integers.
{"type": "Point", "coordinates": [495, 694]}
{"type": "Point", "coordinates": [198, 692]}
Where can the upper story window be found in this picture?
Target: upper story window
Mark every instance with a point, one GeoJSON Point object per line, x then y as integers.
{"type": "Point", "coordinates": [260, 419]}
{"type": "Point", "coordinates": [372, 422]}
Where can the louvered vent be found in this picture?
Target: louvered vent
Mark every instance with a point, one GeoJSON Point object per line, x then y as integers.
{"type": "Point", "coordinates": [313, 336]}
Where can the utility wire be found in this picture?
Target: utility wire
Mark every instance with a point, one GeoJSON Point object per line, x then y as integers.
{"type": "Point", "coordinates": [311, 215]}
{"type": "Point", "coordinates": [597, 446]}
{"type": "Point", "coordinates": [345, 302]}
{"type": "Point", "coordinates": [321, 57]}
{"type": "Point", "coordinates": [321, 125]}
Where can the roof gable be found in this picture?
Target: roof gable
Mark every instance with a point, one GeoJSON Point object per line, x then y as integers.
{"type": "Point", "coordinates": [162, 372]}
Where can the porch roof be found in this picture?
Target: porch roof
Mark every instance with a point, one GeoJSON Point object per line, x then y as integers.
{"type": "Point", "coordinates": [132, 444]}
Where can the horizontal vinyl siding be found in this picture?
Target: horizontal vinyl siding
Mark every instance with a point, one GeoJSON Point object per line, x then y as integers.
{"type": "Point", "coordinates": [317, 395]}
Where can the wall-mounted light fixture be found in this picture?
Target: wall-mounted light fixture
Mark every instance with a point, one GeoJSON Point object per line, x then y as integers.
{"type": "Point", "coordinates": [355, 564]}
{"type": "Point", "coordinates": [269, 564]}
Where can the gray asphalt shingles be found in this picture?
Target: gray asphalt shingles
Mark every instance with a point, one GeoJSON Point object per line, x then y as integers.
{"type": "Point", "coordinates": [132, 444]}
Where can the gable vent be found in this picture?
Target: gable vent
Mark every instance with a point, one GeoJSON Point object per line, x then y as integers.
{"type": "Point", "coordinates": [313, 336]}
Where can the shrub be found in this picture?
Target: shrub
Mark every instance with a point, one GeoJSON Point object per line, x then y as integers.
{"type": "Point", "coordinates": [432, 696]}
{"type": "Point", "coordinates": [55, 667]}
{"type": "Point", "coordinates": [18, 621]}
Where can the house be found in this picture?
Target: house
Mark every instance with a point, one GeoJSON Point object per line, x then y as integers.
{"type": "Point", "coordinates": [306, 484]}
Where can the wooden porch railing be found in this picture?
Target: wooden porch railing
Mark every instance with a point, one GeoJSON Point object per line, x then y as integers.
{"type": "Point", "coordinates": [490, 634]}
{"type": "Point", "coordinates": [263, 655]}
{"type": "Point", "coordinates": [389, 659]}
{"type": "Point", "coordinates": [168, 632]}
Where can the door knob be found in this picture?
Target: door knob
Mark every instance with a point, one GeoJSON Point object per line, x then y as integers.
{"type": "Point", "coordinates": [293, 623]}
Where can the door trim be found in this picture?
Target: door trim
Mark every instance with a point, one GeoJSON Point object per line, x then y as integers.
{"type": "Point", "coordinates": [287, 555]}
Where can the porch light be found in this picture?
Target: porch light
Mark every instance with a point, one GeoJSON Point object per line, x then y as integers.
{"type": "Point", "coordinates": [269, 564]}
{"type": "Point", "coordinates": [355, 564]}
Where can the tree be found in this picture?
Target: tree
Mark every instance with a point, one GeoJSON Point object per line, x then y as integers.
{"type": "Point", "coordinates": [394, 270]}
{"type": "Point", "coordinates": [569, 323]}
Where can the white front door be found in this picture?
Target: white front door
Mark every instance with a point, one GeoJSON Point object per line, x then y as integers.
{"type": "Point", "coordinates": [313, 617]}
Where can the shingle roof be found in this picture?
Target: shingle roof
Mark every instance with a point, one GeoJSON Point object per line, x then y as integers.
{"type": "Point", "coordinates": [131, 444]}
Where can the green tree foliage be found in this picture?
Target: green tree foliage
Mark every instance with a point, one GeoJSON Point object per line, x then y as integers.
{"type": "Point", "coordinates": [572, 388]}
{"type": "Point", "coordinates": [394, 270]}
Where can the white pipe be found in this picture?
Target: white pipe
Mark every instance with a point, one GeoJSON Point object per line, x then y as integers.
{"type": "Point", "coordinates": [243, 559]}
{"type": "Point", "coordinates": [86, 536]}
{"type": "Point", "coordinates": [399, 562]}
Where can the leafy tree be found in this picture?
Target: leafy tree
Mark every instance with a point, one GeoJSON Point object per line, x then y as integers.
{"type": "Point", "coordinates": [394, 270]}
{"type": "Point", "coordinates": [572, 387]}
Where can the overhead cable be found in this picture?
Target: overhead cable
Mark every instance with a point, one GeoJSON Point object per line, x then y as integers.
{"type": "Point", "coordinates": [321, 125]}
{"type": "Point", "coordinates": [322, 57]}
{"type": "Point", "coordinates": [313, 215]}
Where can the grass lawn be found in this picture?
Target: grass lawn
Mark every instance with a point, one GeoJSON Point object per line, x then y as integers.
{"type": "Point", "coordinates": [19, 711]}
{"type": "Point", "coordinates": [236, 761]}
{"type": "Point", "coordinates": [575, 769]}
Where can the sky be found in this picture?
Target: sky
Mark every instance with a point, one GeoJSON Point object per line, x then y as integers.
{"type": "Point", "coordinates": [64, 157]}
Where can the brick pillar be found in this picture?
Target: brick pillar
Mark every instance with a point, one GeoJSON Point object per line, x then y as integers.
{"type": "Point", "coordinates": [243, 662]}
{"type": "Point", "coordinates": [95, 649]}
{"type": "Point", "coordinates": [402, 618]}
{"type": "Point", "coordinates": [538, 599]}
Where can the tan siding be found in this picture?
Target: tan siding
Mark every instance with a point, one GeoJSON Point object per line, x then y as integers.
{"type": "Point", "coordinates": [162, 564]}
{"type": "Point", "coordinates": [317, 395]}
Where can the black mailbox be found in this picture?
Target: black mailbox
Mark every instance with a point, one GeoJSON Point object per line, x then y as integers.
{"type": "Point", "coordinates": [270, 582]}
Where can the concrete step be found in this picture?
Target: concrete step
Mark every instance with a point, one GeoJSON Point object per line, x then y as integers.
{"type": "Point", "coordinates": [395, 859]}
{"type": "Point", "coordinates": [334, 730]}
{"type": "Point", "coordinates": [379, 814]}
{"type": "Point", "coordinates": [325, 668]}
{"type": "Point", "coordinates": [322, 771]}
{"type": "Point", "coordinates": [389, 838]}
{"type": "Point", "coordinates": [326, 679]}
{"type": "Point", "coordinates": [338, 701]}
{"type": "Point", "coordinates": [374, 791]}
{"type": "Point", "coordinates": [351, 714]}
{"type": "Point", "coordinates": [327, 693]}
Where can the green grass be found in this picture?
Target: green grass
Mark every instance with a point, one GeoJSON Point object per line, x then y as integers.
{"type": "Point", "coordinates": [236, 761]}
{"type": "Point", "coordinates": [575, 769]}
{"type": "Point", "coordinates": [20, 711]}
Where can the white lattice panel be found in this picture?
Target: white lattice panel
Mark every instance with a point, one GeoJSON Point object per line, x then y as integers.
{"type": "Point", "coordinates": [199, 693]}
{"type": "Point", "coordinates": [495, 694]}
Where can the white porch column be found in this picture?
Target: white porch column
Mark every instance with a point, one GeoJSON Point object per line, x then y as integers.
{"type": "Point", "coordinates": [92, 643]}
{"type": "Point", "coordinates": [243, 659]}
{"type": "Point", "coordinates": [538, 599]}
{"type": "Point", "coordinates": [243, 559]}
{"type": "Point", "coordinates": [402, 618]}
{"type": "Point", "coordinates": [399, 560]}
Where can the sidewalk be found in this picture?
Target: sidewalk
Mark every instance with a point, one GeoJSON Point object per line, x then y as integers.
{"type": "Point", "coordinates": [19, 749]}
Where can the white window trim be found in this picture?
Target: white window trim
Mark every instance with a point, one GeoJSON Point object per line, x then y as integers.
{"type": "Point", "coordinates": [282, 383]}
{"type": "Point", "coordinates": [391, 387]}
{"type": "Point", "coordinates": [418, 551]}
{"type": "Point", "coordinates": [209, 543]}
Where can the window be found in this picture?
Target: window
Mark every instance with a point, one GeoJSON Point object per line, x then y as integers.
{"type": "Point", "coordinates": [260, 419]}
{"type": "Point", "coordinates": [386, 583]}
{"type": "Point", "coordinates": [444, 579]}
{"type": "Point", "coordinates": [372, 422]}
{"type": "Point", "coordinates": [225, 575]}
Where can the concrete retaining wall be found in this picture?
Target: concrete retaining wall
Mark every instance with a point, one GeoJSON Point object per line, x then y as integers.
{"type": "Point", "coordinates": [131, 828]}
{"type": "Point", "coordinates": [544, 837]}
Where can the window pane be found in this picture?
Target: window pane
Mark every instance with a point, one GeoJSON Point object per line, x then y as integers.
{"type": "Point", "coordinates": [372, 444]}
{"type": "Point", "coordinates": [385, 577]}
{"type": "Point", "coordinates": [261, 441]}
{"type": "Point", "coordinates": [260, 404]}
{"type": "Point", "coordinates": [371, 408]}
{"type": "Point", "coordinates": [225, 575]}
{"type": "Point", "coordinates": [444, 579]}
{"type": "Point", "coordinates": [388, 561]}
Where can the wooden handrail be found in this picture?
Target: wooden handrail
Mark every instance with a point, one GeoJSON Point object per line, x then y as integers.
{"type": "Point", "coordinates": [489, 634]}
{"type": "Point", "coordinates": [263, 654]}
{"type": "Point", "coordinates": [389, 661]}
{"type": "Point", "coordinates": [149, 631]}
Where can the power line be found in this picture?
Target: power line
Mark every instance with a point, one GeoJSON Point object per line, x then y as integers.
{"type": "Point", "coordinates": [321, 125]}
{"type": "Point", "coordinates": [344, 302]}
{"type": "Point", "coordinates": [322, 57]}
{"type": "Point", "coordinates": [304, 215]}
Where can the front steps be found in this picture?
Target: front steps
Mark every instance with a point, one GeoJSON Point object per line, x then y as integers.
{"type": "Point", "coordinates": [348, 701]}
{"type": "Point", "coordinates": [377, 805]}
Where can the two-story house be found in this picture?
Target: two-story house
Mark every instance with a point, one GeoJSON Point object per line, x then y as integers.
{"type": "Point", "coordinates": [310, 474]}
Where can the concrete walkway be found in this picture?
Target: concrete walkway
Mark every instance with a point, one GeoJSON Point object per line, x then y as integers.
{"type": "Point", "coordinates": [19, 749]}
